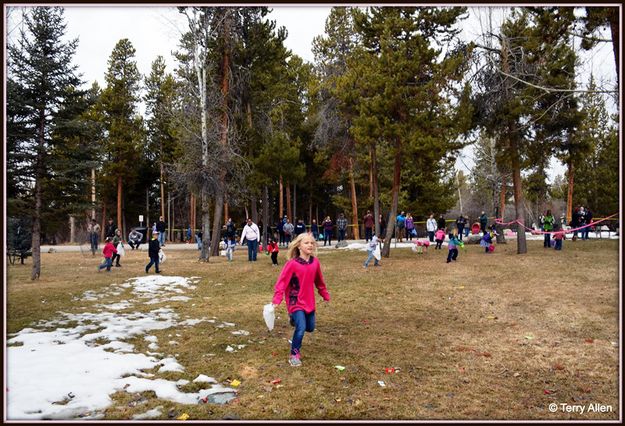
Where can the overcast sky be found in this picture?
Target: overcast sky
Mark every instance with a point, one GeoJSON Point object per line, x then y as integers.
{"type": "Point", "coordinates": [155, 30]}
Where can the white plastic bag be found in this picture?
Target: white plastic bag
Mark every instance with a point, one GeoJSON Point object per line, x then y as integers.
{"type": "Point", "coordinates": [376, 253]}
{"type": "Point", "coordinates": [161, 256]}
{"type": "Point", "coordinates": [269, 314]}
{"type": "Point", "coordinates": [120, 249]}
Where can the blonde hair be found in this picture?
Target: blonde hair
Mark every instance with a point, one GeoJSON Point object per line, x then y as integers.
{"type": "Point", "coordinates": [293, 250]}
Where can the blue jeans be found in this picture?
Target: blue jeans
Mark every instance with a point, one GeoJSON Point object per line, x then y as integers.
{"type": "Point", "coordinates": [199, 242]}
{"type": "Point", "coordinates": [327, 237]}
{"type": "Point", "coordinates": [252, 246]}
{"type": "Point", "coordinates": [369, 257]}
{"type": "Point", "coordinates": [93, 238]}
{"type": "Point", "coordinates": [108, 262]}
{"type": "Point", "coordinates": [341, 235]}
{"type": "Point", "coordinates": [153, 261]}
{"type": "Point", "coordinates": [161, 238]}
{"type": "Point", "coordinates": [303, 322]}
{"type": "Point", "coordinates": [547, 242]}
{"type": "Point", "coordinates": [558, 245]}
{"type": "Point", "coordinates": [368, 234]}
{"type": "Point", "coordinates": [453, 254]}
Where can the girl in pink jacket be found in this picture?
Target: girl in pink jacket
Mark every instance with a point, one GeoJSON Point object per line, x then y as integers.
{"type": "Point", "coordinates": [297, 282]}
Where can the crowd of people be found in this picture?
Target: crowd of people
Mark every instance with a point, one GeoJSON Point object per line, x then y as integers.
{"type": "Point", "coordinates": [285, 232]}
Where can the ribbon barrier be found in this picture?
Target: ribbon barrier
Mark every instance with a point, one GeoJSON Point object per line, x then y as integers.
{"type": "Point", "coordinates": [567, 231]}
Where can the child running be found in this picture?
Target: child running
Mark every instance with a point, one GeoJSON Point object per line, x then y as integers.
{"type": "Point", "coordinates": [108, 251]}
{"type": "Point", "coordinates": [371, 246]}
{"type": "Point", "coordinates": [273, 249]}
{"type": "Point", "coordinates": [230, 243]}
{"type": "Point", "coordinates": [453, 245]}
{"type": "Point", "coordinates": [297, 282]}
{"type": "Point", "coordinates": [440, 237]}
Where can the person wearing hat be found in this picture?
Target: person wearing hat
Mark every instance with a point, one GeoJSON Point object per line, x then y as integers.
{"type": "Point", "coordinates": [153, 249]}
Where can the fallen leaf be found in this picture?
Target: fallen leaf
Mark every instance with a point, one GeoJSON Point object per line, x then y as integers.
{"type": "Point", "coordinates": [589, 341]}
{"type": "Point", "coordinates": [235, 383]}
{"type": "Point", "coordinates": [183, 416]}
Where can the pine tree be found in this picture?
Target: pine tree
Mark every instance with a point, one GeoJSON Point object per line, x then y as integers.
{"type": "Point", "coordinates": [123, 124]}
{"type": "Point", "coordinates": [42, 78]}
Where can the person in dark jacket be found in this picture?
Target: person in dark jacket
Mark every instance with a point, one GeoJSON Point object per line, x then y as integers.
{"type": "Point", "coordinates": [109, 230]}
{"type": "Point", "coordinates": [483, 222]}
{"type": "Point", "coordinates": [460, 222]}
{"type": "Point", "coordinates": [300, 227]}
{"type": "Point", "coordinates": [160, 228]}
{"type": "Point", "coordinates": [153, 249]}
{"type": "Point", "coordinates": [440, 223]}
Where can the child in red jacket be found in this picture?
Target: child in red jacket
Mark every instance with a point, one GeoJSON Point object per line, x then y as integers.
{"type": "Point", "coordinates": [108, 251]}
{"type": "Point", "coordinates": [273, 249]}
{"type": "Point", "coordinates": [296, 283]}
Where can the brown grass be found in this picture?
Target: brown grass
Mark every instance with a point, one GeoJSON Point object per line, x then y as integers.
{"type": "Point", "coordinates": [497, 336]}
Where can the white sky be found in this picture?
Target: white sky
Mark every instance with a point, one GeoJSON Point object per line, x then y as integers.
{"type": "Point", "coordinates": [155, 30]}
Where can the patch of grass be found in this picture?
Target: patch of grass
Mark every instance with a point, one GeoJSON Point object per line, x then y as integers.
{"type": "Point", "coordinates": [491, 336]}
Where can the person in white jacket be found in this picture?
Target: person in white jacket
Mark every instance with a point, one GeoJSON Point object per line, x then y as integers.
{"type": "Point", "coordinates": [431, 227]}
{"type": "Point", "coordinates": [251, 233]}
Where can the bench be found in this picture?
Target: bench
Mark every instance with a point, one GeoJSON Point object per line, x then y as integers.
{"type": "Point", "coordinates": [13, 254]}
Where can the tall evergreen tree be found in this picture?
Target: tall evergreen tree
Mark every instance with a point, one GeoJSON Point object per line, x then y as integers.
{"type": "Point", "coordinates": [407, 87]}
{"type": "Point", "coordinates": [42, 78]}
{"type": "Point", "coordinates": [124, 126]}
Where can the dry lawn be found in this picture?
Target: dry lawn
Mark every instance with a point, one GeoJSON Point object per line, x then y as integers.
{"type": "Point", "coordinates": [497, 336]}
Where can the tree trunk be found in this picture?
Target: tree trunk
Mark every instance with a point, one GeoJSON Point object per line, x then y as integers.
{"type": "Point", "coordinates": [569, 195]}
{"type": "Point", "coordinates": [390, 227]}
{"type": "Point", "coordinates": [266, 221]}
{"type": "Point", "coordinates": [518, 197]}
{"type": "Point", "coordinates": [219, 205]}
{"type": "Point", "coordinates": [294, 201]}
{"type": "Point", "coordinates": [206, 224]}
{"type": "Point", "coordinates": [36, 235]}
{"type": "Point", "coordinates": [192, 214]}
{"type": "Point", "coordinates": [376, 193]}
{"type": "Point", "coordinates": [226, 212]}
{"type": "Point", "coordinates": [501, 238]}
{"type": "Point", "coordinates": [103, 221]}
{"type": "Point", "coordinates": [92, 193]}
{"type": "Point", "coordinates": [281, 200]}
{"type": "Point", "coordinates": [162, 189]}
{"type": "Point", "coordinates": [254, 209]}
{"type": "Point", "coordinates": [613, 18]}
{"type": "Point", "coordinates": [289, 210]}
{"type": "Point", "coordinates": [352, 185]}
{"type": "Point", "coordinates": [119, 201]}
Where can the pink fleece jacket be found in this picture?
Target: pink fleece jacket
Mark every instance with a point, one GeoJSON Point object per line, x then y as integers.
{"type": "Point", "coordinates": [297, 283]}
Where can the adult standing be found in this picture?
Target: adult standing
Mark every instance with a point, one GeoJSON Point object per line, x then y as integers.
{"type": "Point", "coordinates": [341, 225]}
{"type": "Point", "coordinates": [460, 222]}
{"type": "Point", "coordinates": [401, 224]}
{"type": "Point", "coordinates": [160, 228]}
{"type": "Point", "coordinates": [587, 221]}
{"type": "Point", "coordinates": [327, 231]}
{"type": "Point", "coordinates": [382, 223]}
{"type": "Point", "coordinates": [440, 223]}
{"type": "Point", "coordinates": [288, 229]}
{"type": "Point", "coordinates": [300, 227]}
{"type": "Point", "coordinates": [314, 228]}
{"type": "Point", "coordinates": [483, 222]}
{"type": "Point", "coordinates": [369, 223]}
{"type": "Point", "coordinates": [153, 248]}
{"type": "Point", "coordinates": [548, 221]}
{"type": "Point", "coordinates": [409, 226]}
{"type": "Point", "coordinates": [109, 230]}
{"type": "Point", "coordinates": [280, 228]}
{"type": "Point", "coordinates": [231, 229]}
{"type": "Point", "coordinates": [252, 234]}
{"type": "Point", "coordinates": [430, 225]}
{"type": "Point", "coordinates": [93, 231]}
